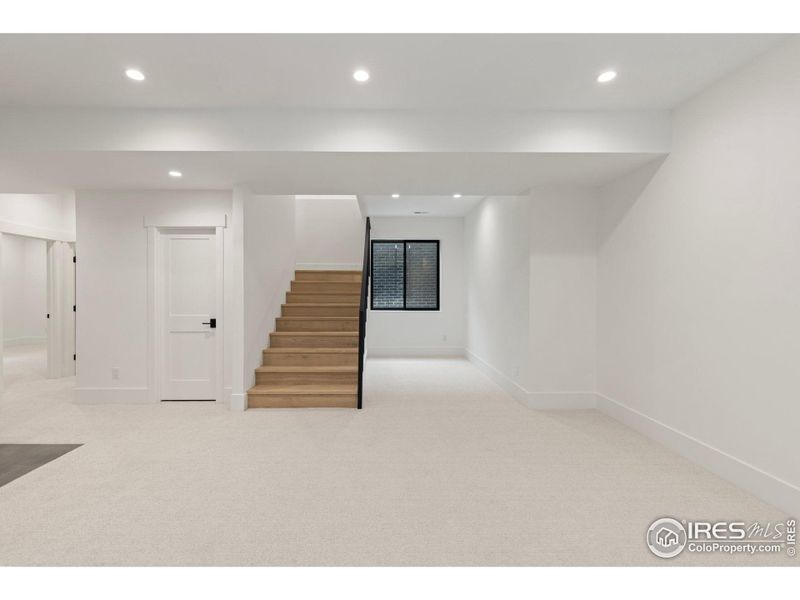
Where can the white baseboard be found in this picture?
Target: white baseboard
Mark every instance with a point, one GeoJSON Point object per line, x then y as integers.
{"type": "Point", "coordinates": [112, 395]}
{"type": "Point", "coordinates": [766, 486]}
{"type": "Point", "coordinates": [777, 492]}
{"type": "Point", "coordinates": [329, 266]}
{"type": "Point", "coordinates": [238, 402]}
{"type": "Point", "coordinates": [25, 341]}
{"type": "Point", "coordinates": [125, 395]}
{"type": "Point", "coordinates": [509, 385]}
{"type": "Point", "coordinates": [535, 400]}
{"type": "Point", "coordinates": [416, 352]}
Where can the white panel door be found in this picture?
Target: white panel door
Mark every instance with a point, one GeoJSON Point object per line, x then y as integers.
{"type": "Point", "coordinates": [190, 296]}
{"type": "Point", "coordinates": [68, 350]}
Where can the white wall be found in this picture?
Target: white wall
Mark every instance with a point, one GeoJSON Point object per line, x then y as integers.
{"type": "Point", "coordinates": [112, 283]}
{"type": "Point", "coordinates": [24, 285]}
{"type": "Point", "coordinates": [699, 293]}
{"type": "Point", "coordinates": [531, 279]}
{"type": "Point", "coordinates": [424, 333]}
{"type": "Point", "coordinates": [48, 216]}
{"type": "Point", "coordinates": [329, 232]}
{"type": "Point", "coordinates": [498, 288]}
{"type": "Point", "coordinates": [269, 262]}
{"type": "Point", "coordinates": [563, 274]}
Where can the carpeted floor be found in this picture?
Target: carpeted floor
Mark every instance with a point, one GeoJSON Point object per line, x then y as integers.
{"type": "Point", "coordinates": [440, 468]}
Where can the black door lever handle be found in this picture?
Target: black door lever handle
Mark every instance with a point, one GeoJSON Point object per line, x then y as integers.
{"type": "Point", "coordinates": [211, 323]}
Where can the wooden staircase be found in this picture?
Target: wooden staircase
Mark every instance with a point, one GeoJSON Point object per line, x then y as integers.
{"type": "Point", "coordinates": [312, 358]}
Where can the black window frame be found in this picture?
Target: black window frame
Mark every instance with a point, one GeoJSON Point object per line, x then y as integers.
{"type": "Point", "coordinates": [405, 275]}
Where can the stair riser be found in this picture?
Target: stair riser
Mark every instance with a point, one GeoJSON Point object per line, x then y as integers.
{"type": "Point", "coordinates": [289, 310]}
{"type": "Point", "coordinates": [313, 341]}
{"type": "Point", "coordinates": [328, 276]}
{"type": "Point", "coordinates": [293, 401]}
{"type": "Point", "coordinates": [322, 298]}
{"type": "Point", "coordinates": [315, 325]}
{"type": "Point", "coordinates": [326, 287]}
{"type": "Point", "coordinates": [306, 378]}
{"type": "Point", "coordinates": [281, 359]}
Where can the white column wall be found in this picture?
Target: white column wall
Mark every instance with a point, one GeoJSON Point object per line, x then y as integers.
{"type": "Point", "coordinates": [562, 299]}
{"type": "Point", "coordinates": [531, 279]}
{"type": "Point", "coordinates": [498, 289]}
{"type": "Point", "coordinates": [699, 293]}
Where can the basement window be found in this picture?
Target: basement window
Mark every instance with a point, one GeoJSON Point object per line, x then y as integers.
{"type": "Point", "coordinates": [405, 275]}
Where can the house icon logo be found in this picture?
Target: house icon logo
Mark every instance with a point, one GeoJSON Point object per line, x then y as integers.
{"type": "Point", "coordinates": [666, 537]}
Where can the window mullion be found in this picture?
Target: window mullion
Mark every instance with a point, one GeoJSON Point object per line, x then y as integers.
{"type": "Point", "coordinates": [405, 276]}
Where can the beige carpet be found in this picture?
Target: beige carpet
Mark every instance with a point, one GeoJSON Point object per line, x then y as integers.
{"type": "Point", "coordinates": [440, 468]}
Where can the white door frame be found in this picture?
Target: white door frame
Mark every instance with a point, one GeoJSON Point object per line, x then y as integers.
{"type": "Point", "coordinates": [155, 317]}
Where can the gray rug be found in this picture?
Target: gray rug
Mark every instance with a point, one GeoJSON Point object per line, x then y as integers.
{"type": "Point", "coordinates": [18, 459]}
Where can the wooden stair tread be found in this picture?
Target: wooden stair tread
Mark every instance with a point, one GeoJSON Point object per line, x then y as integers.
{"type": "Point", "coordinates": [306, 369]}
{"type": "Point", "coordinates": [296, 350]}
{"type": "Point", "coordinates": [321, 297]}
{"type": "Point", "coordinates": [303, 390]}
{"type": "Point", "coordinates": [316, 318]}
{"type": "Point", "coordinates": [348, 271]}
{"type": "Point", "coordinates": [323, 304]}
{"type": "Point", "coordinates": [304, 293]}
{"type": "Point", "coordinates": [328, 282]}
{"type": "Point", "coordinates": [316, 333]}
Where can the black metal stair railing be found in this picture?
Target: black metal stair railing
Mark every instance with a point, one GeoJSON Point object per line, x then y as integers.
{"type": "Point", "coordinates": [362, 313]}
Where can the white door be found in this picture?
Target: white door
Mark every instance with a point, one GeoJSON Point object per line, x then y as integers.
{"type": "Point", "coordinates": [60, 309]}
{"type": "Point", "coordinates": [189, 361]}
{"type": "Point", "coordinates": [68, 359]}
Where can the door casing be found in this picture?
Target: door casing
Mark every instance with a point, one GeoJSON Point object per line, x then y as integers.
{"type": "Point", "coordinates": [155, 307]}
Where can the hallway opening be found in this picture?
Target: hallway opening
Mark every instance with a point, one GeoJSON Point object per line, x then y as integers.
{"type": "Point", "coordinates": [24, 312]}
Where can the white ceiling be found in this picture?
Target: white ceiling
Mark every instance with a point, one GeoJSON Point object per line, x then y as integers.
{"type": "Point", "coordinates": [409, 71]}
{"type": "Point", "coordinates": [433, 206]}
{"type": "Point", "coordinates": [366, 173]}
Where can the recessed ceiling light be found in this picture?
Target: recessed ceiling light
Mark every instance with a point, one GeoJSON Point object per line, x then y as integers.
{"type": "Point", "coordinates": [361, 76]}
{"type": "Point", "coordinates": [456, 195]}
{"type": "Point", "coordinates": [395, 195]}
{"type": "Point", "coordinates": [135, 74]}
{"type": "Point", "coordinates": [606, 76]}
{"type": "Point", "coordinates": [175, 174]}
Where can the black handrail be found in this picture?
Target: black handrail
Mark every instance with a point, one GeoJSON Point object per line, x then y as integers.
{"type": "Point", "coordinates": [362, 314]}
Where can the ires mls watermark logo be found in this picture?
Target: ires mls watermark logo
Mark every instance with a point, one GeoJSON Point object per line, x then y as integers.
{"type": "Point", "coordinates": [668, 537]}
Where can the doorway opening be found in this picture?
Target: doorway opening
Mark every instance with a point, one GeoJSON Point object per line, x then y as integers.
{"type": "Point", "coordinates": [38, 308]}
{"type": "Point", "coordinates": [24, 265]}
